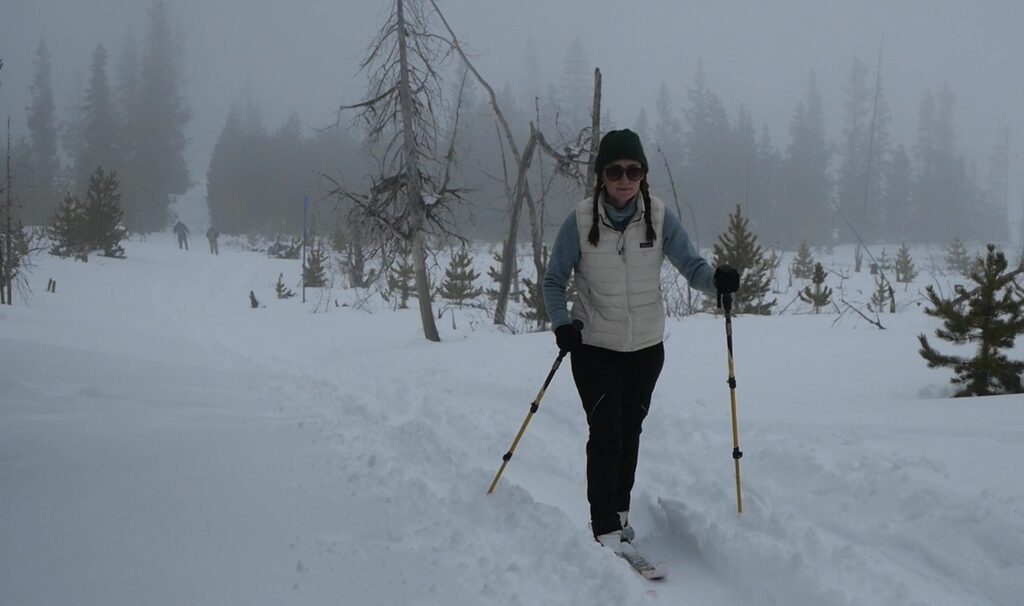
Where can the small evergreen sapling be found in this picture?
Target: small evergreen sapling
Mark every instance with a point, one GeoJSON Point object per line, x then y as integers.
{"type": "Point", "coordinates": [494, 273]}
{"type": "Point", "coordinates": [821, 295]}
{"type": "Point", "coordinates": [738, 247]}
{"type": "Point", "coordinates": [905, 270]}
{"type": "Point", "coordinates": [283, 292]}
{"type": "Point", "coordinates": [803, 264]}
{"type": "Point", "coordinates": [957, 259]}
{"type": "Point", "coordinates": [993, 319]}
{"type": "Point", "coordinates": [882, 295]}
{"type": "Point", "coordinates": [401, 277]}
{"type": "Point", "coordinates": [459, 277]}
{"type": "Point", "coordinates": [315, 271]}
{"type": "Point", "coordinates": [534, 309]}
{"type": "Point", "coordinates": [884, 262]}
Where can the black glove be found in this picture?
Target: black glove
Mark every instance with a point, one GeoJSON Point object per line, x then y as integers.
{"type": "Point", "coordinates": [727, 280]}
{"type": "Point", "coordinates": [569, 336]}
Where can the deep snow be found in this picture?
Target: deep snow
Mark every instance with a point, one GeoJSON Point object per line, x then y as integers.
{"type": "Point", "coordinates": [162, 443]}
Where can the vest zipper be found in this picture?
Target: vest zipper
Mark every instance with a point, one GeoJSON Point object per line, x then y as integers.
{"type": "Point", "coordinates": [625, 269]}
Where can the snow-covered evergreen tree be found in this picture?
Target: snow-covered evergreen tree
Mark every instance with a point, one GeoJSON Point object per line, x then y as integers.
{"type": "Point", "coordinates": [315, 270]}
{"type": "Point", "coordinates": [884, 262]}
{"type": "Point", "coordinates": [494, 273]}
{"type": "Point", "coordinates": [803, 264]}
{"type": "Point", "coordinates": [957, 258]}
{"type": "Point", "coordinates": [401, 278]}
{"type": "Point", "coordinates": [459, 277]}
{"type": "Point", "coordinates": [103, 228]}
{"type": "Point", "coordinates": [283, 292]}
{"type": "Point", "coordinates": [882, 296]}
{"type": "Point", "coordinates": [67, 234]}
{"type": "Point", "coordinates": [820, 295]}
{"type": "Point", "coordinates": [533, 302]}
{"type": "Point", "coordinates": [738, 247]}
{"type": "Point", "coordinates": [905, 270]}
{"type": "Point", "coordinates": [994, 318]}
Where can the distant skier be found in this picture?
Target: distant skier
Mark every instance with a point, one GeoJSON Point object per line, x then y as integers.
{"type": "Point", "coordinates": [212, 234]}
{"type": "Point", "coordinates": [615, 243]}
{"type": "Point", "coordinates": [182, 232]}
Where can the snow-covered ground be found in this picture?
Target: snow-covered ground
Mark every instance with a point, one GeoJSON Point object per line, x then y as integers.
{"type": "Point", "coordinates": [163, 443]}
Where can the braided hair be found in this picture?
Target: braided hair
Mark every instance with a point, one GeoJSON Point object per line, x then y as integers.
{"type": "Point", "coordinates": [595, 235]}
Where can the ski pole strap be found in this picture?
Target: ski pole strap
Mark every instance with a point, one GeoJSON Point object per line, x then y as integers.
{"type": "Point", "coordinates": [725, 301]}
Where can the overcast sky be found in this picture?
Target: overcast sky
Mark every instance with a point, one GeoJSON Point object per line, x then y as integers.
{"type": "Point", "coordinates": [303, 55]}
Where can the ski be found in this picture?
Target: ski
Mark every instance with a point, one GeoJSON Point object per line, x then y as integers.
{"type": "Point", "coordinates": [644, 568]}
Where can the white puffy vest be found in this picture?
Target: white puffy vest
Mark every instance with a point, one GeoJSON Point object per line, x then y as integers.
{"type": "Point", "coordinates": [618, 282]}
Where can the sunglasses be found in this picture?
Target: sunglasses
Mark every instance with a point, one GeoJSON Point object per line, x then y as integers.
{"type": "Point", "coordinates": [615, 172]}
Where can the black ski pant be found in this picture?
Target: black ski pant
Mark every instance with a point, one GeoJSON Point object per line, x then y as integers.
{"type": "Point", "coordinates": [615, 388]}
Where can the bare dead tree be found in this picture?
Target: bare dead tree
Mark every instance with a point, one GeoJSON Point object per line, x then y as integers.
{"type": "Point", "coordinates": [595, 131]}
{"type": "Point", "coordinates": [8, 261]}
{"type": "Point", "coordinates": [858, 256]}
{"type": "Point", "coordinates": [407, 200]}
{"type": "Point", "coordinates": [693, 217]}
{"type": "Point", "coordinates": [877, 321]}
{"type": "Point", "coordinates": [569, 164]}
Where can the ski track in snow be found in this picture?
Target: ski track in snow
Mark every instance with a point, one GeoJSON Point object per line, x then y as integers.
{"type": "Point", "coordinates": [866, 507]}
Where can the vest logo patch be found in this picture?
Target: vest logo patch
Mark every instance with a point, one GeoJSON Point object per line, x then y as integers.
{"type": "Point", "coordinates": [647, 245]}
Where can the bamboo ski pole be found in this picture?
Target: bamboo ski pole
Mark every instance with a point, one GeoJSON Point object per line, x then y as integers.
{"type": "Point", "coordinates": [725, 301]}
{"type": "Point", "coordinates": [533, 409]}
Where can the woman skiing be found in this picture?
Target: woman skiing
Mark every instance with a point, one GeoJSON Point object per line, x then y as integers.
{"type": "Point", "coordinates": [615, 242]}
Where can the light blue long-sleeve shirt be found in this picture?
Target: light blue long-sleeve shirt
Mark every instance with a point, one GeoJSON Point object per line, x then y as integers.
{"type": "Point", "coordinates": [566, 254]}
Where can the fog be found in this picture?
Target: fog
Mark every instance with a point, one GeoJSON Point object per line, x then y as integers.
{"type": "Point", "coordinates": [303, 56]}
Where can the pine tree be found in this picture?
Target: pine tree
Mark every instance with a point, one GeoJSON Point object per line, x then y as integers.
{"type": "Point", "coordinates": [314, 272]}
{"type": "Point", "coordinates": [738, 247]}
{"type": "Point", "coordinates": [283, 292]}
{"type": "Point", "coordinates": [884, 262]}
{"type": "Point", "coordinates": [19, 253]}
{"type": "Point", "coordinates": [159, 140]}
{"type": "Point", "coordinates": [993, 319]}
{"type": "Point", "coordinates": [805, 187]}
{"type": "Point", "coordinates": [905, 271]}
{"type": "Point", "coordinates": [882, 295]}
{"type": "Point", "coordinates": [459, 276]}
{"type": "Point", "coordinates": [821, 295]}
{"type": "Point", "coordinates": [43, 160]}
{"type": "Point", "coordinates": [67, 234]}
{"type": "Point", "coordinates": [711, 181]}
{"type": "Point", "coordinates": [401, 277]}
{"type": "Point", "coordinates": [534, 309]}
{"type": "Point", "coordinates": [98, 129]}
{"type": "Point", "coordinates": [803, 264]}
{"type": "Point", "coordinates": [494, 273]}
{"type": "Point", "coordinates": [103, 228]}
{"type": "Point", "coordinates": [957, 258]}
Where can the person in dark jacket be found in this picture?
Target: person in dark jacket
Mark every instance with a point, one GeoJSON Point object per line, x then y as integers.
{"type": "Point", "coordinates": [211, 235]}
{"type": "Point", "coordinates": [181, 232]}
{"type": "Point", "coordinates": [614, 243]}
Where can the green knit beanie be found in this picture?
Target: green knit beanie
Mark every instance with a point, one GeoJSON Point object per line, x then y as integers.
{"type": "Point", "coordinates": [619, 145]}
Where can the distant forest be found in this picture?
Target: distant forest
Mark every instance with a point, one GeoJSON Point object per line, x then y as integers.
{"type": "Point", "coordinates": [707, 154]}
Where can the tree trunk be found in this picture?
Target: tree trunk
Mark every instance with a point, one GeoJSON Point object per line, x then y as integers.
{"type": "Point", "coordinates": [509, 251]}
{"type": "Point", "coordinates": [536, 237]}
{"type": "Point", "coordinates": [595, 132]}
{"type": "Point", "coordinates": [417, 212]}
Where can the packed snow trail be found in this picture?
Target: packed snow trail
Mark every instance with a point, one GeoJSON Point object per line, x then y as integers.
{"type": "Point", "coordinates": [336, 457]}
